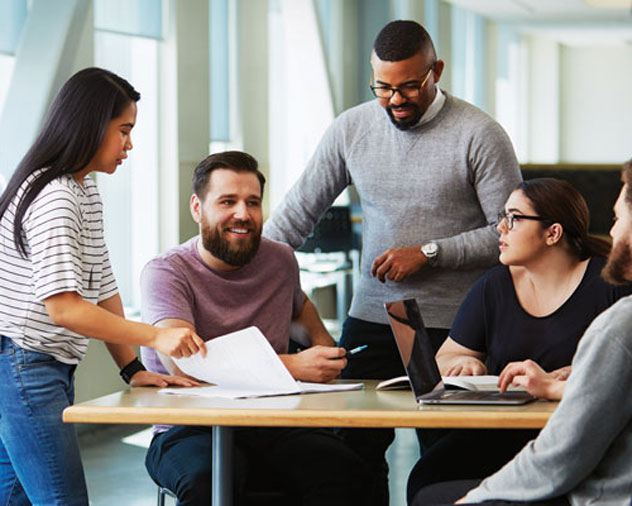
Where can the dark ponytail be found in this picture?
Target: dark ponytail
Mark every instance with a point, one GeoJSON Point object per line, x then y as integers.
{"type": "Point", "coordinates": [72, 133]}
{"type": "Point", "coordinates": [560, 202]}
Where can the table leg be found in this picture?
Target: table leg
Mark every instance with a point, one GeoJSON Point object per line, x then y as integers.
{"type": "Point", "coordinates": [222, 478]}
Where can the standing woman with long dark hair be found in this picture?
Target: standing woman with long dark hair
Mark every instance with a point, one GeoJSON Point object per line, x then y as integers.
{"type": "Point", "coordinates": [57, 289]}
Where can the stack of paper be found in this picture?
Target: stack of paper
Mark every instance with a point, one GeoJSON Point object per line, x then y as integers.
{"type": "Point", "coordinates": [244, 364]}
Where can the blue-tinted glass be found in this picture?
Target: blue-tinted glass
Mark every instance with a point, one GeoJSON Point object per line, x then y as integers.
{"type": "Point", "coordinates": [431, 24]}
{"type": "Point", "coordinates": [218, 14]}
{"type": "Point", "coordinates": [373, 16]}
{"type": "Point", "coordinates": [480, 65]}
{"type": "Point", "coordinates": [12, 18]}
{"type": "Point", "coordinates": [133, 17]}
{"type": "Point", "coordinates": [468, 64]}
{"type": "Point", "coordinates": [507, 37]}
{"type": "Point", "coordinates": [323, 11]}
{"type": "Point", "coordinates": [459, 53]}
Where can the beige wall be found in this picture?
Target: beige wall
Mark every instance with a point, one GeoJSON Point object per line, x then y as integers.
{"type": "Point", "coordinates": [595, 104]}
{"type": "Point", "coordinates": [97, 374]}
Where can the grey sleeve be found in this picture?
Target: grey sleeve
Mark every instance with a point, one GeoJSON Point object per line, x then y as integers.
{"type": "Point", "coordinates": [495, 173]}
{"type": "Point", "coordinates": [324, 178]}
{"type": "Point", "coordinates": [595, 409]}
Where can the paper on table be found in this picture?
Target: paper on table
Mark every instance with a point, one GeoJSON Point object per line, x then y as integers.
{"type": "Point", "coordinates": [236, 393]}
{"type": "Point", "coordinates": [216, 391]}
{"type": "Point", "coordinates": [484, 383]}
{"type": "Point", "coordinates": [487, 383]}
{"type": "Point", "coordinates": [242, 360]}
{"type": "Point", "coordinates": [244, 364]}
{"type": "Point", "coordinates": [312, 388]}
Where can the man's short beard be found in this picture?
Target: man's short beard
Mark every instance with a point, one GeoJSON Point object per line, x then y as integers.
{"type": "Point", "coordinates": [617, 269]}
{"type": "Point", "coordinates": [407, 124]}
{"type": "Point", "coordinates": [219, 247]}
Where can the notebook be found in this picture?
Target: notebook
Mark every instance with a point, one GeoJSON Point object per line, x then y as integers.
{"type": "Point", "coordinates": [421, 367]}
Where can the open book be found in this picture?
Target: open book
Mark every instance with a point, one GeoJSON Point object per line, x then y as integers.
{"type": "Point", "coordinates": [244, 364]}
{"type": "Point", "coordinates": [481, 383]}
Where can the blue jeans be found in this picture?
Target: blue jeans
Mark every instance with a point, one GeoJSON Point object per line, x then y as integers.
{"type": "Point", "coordinates": [40, 462]}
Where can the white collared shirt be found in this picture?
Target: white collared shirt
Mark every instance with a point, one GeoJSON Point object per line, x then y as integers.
{"type": "Point", "coordinates": [434, 108]}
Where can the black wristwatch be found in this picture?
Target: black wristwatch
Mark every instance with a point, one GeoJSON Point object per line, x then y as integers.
{"type": "Point", "coordinates": [130, 369]}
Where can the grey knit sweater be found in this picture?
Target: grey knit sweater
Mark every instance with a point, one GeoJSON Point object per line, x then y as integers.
{"type": "Point", "coordinates": [444, 180]}
{"type": "Point", "coordinates": [585, 450]}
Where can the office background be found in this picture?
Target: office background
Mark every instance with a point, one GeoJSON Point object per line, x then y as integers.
{"type": "Point", "coordinates": [268, 77]}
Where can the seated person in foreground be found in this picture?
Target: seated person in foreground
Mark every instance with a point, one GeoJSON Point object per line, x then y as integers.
{"type": "Point", "coordinates": [584, 453]}
{"type": "Point", "coordinates": [536, 305]}
{"type": "Point", "coordinates": [226, 279]}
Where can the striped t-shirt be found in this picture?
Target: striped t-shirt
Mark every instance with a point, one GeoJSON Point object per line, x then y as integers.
{"type": "Point", "coordinates": [66, 252]}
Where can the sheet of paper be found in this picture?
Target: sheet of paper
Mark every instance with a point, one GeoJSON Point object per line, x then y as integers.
{"type": "Point", "coordinates": [487, 382]}
{"type": "Point", "coordinates": [235, 393]}
{"type": "Point", "coordinates": [310, 388]}
{"type": "Point", "coordinates": [243, 364]}
{"type": "Point", "coordinates": [243, 361]}
{"type": "Point", "coordinates": [484, 382]}
{"type": "Point", "coordinates": [217, 391]}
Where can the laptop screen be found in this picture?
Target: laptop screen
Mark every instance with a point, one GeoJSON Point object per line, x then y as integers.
{"type": "Point", "coordinates": [414, 346]}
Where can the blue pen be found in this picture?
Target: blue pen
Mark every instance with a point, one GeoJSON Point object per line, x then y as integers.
{"type": "Point", "coordinates": [358, 349]}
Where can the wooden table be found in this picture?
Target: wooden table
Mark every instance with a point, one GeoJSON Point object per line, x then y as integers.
{"type": "Point", "coordinates": [358, 408]}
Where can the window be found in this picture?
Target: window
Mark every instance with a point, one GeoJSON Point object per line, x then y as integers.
{"type": "Point", "coordinates": [220, 71]}
{"type": "Point", "coordinates": [299, 92]}
{"type": "Point", "coordinates": [12, 17]}
{"type": "Point", "coordinates": [131, 197]}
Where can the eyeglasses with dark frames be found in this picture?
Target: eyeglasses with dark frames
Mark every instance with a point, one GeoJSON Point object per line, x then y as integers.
{"type": "Point", "coordinates": [406, 90]}
{"type": "Point", "coordinates": [511, 218]}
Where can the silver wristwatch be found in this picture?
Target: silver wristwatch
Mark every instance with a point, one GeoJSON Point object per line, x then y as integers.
{"type": "Point", "coordinates": [431, 250]}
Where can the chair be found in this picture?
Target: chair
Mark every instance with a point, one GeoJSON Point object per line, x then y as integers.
{"type": "Point", "coordinates": [165, 492]}
{"type": "Point", "coordinates": [330, 256]}
{"type": "Point", "coordinates": [259, 493]}
{"type": "Point", "coordinates": [332, 232]}
{"type": "Point", "coordinates": [600, 188]}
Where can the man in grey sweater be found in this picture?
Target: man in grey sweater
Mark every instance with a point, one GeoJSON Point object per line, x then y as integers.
{"type": "Point", "coordinates": [432, 172]}
{"type": "Point", "coordinates": [583, 455]}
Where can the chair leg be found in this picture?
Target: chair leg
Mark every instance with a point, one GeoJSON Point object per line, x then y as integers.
{"type": "Point", "coordinates": [162, 492]}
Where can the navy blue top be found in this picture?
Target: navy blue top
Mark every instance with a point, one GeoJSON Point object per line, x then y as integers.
{"type": "Point", "coordinates": [492, 321]}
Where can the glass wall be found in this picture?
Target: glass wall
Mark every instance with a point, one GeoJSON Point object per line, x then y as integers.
{"type": "Point", "coordinates": [13, 15]}
{"type": "Point", "coordinates": [281, 70]}
{"type": "Point", "coordinates": [127, 41]}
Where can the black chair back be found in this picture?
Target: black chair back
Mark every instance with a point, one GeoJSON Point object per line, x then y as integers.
{"type": "Point", "coordinates": [600, 188]}
{"type": "Point", "coordinates": [332, 232]}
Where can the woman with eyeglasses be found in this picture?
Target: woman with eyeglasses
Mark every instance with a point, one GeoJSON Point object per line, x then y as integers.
{"type": "Point", "coordinates": [535, 306]}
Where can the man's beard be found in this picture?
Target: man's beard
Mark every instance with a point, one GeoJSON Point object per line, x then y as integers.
{"type": "Point", "coordinates": [217, 245]}
{"type": "Point", "coordinates": [617, 269]}
{"type": "Point", "coordinates": [407, 123]}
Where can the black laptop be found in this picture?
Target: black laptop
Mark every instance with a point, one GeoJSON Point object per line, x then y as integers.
{"type": "Point", "coordinates": [421, 367]}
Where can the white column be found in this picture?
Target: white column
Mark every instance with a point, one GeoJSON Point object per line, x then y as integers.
{"type": "Point", "coordinates": [543, 112]}
{"type": "Point", "coordinates": [302, 104]}
{"type": "Point", "coordinates": [193, 100]}
{"type": "Point", "coordinates": [252, 83]}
